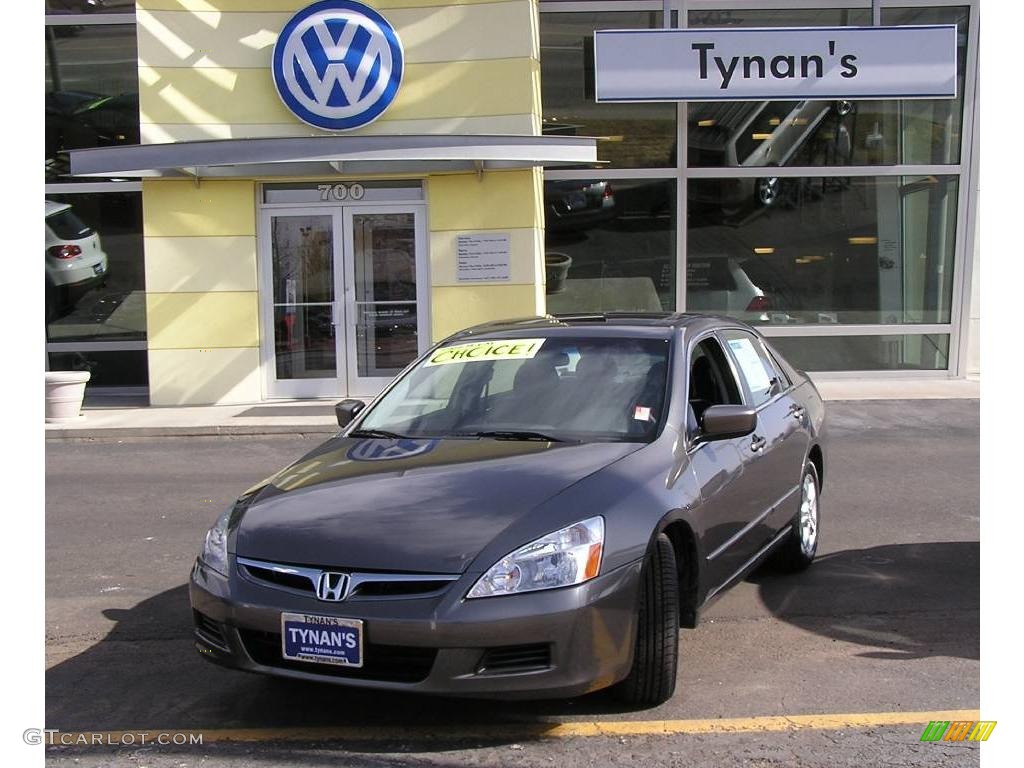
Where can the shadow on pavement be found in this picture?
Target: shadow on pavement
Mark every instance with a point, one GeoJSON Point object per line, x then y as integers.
{"type": "Point", "coordinates": [145, 673]}
{"type": "Point", "coordinates": [870, 597]}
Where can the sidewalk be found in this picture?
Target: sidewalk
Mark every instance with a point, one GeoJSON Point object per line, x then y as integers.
{"type": "Point", "coordinates": [317, 416]}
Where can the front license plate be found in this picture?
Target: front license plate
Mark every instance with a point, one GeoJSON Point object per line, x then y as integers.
{"type": "Point", "coordinates": [322, 639]}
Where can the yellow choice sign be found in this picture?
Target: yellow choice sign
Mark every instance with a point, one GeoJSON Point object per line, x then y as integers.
{"type": "Point", "coordinates": [479, 351]}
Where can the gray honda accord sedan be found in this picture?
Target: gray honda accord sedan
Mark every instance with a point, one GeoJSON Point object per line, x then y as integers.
{"type": "Point", "coordinates": [533, 508]}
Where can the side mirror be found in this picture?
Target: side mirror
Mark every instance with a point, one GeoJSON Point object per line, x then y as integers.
{"type": "Point", "coordinates": [347, 410]}
{"type": "Point", "coordinates": [722, 422]}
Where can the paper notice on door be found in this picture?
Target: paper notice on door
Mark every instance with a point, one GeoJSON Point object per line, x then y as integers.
{"type": "Point", "coordinates": [751, 365]}
{"type": "Point", "coordinates": [483, 257]}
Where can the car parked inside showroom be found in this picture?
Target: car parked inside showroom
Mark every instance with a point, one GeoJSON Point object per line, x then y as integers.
{"type": "Point", "coordinates": [533, 508]}
{"type": "Point", "coordinates": [75, 259]}
{"type": "Point", "coordinates": [762, 134]}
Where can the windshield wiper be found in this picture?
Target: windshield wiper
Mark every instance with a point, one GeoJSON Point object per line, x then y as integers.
{"type": "Point", "coordinates": [514, 434]}
{"type": "Point", "coordinates": [378, 433]}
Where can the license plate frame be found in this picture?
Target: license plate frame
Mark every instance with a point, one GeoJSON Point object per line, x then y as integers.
{"type": "Point", "coordinates": [319, 639]}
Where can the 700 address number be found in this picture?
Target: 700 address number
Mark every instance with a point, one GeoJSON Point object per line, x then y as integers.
{"type": "Point", "coordinates": [340, 192]}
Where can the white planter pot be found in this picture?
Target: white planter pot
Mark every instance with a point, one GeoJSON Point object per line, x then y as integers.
{"type": "Point", "coordinates": [65, 391]}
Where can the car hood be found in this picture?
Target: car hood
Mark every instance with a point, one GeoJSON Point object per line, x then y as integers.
{"type": "Point", "coordinates": [423, 505]}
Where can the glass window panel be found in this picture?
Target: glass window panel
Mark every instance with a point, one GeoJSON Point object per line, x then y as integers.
{"type": "Point", "coordinates": [304, 342]}
{"type": "Point", "coordinates": [638, 135]}
{"type": "Point", "coordinates": [865, 353]}
{"type": "Point", "coordinates": [865, 250]}
{"type": "Point", "coordinates": [816, 133]}
{"type": "Point", "coordinates": [385, 256]}
{"type": "Point", "coordinates": [386, 338]}
{"type": "Point", "coordinates": [95, 277]}
{"type": "Point", "coordinates": [129, 368]}
{"type": "Point", "coordinates": [92, 91]}
{"type": "Point", "coordinates": [64, 7]}
{"type": "Point", "coordinates": [610, 245]}
{"type": "Point", "coordinates": [303, 255]}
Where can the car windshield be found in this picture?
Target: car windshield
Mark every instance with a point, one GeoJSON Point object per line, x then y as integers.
{"type": "Point", "coordinates": [552, 388]}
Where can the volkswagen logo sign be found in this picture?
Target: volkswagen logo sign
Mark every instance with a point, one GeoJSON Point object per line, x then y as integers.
{"type": "Point", "coordinates": [338, 65]}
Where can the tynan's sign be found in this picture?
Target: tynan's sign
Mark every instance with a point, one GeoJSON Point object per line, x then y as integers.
{"type": "Point", "coordinates": [795, 63]}
{"type": "Point", "coordinates": [337, 65]}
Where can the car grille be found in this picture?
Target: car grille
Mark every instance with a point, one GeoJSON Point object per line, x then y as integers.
{"type": "Point", "coordinates": [514, 659]}
{"type": "Point", "coordinates": [363, 585]}
{"type": "Point", "coordinates": [385, 663]}
{"type": "Point", "coordinates": [209, 631]}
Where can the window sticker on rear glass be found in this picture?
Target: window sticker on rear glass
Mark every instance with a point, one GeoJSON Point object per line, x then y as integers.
{"type": "Point", "coordinates": [750, 363]}
{"type": "Point", "coordinates": [478, 351]}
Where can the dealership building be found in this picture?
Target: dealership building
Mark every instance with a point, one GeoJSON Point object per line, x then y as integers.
{"type": "Point", "coordinates": [293, 199]}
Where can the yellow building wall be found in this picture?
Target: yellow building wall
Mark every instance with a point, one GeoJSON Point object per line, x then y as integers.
{"type": "Point", "coordinates": [472, 67]}
{"type": "Point", "coordinates": [202, 307]}
{"type": "Point", "coordinates": [505, 201]}
{"type": "Point", "coordinates": [204, 68]}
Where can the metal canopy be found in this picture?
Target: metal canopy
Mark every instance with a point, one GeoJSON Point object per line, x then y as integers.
{"type": "Point", "coordinates": [328, 155]}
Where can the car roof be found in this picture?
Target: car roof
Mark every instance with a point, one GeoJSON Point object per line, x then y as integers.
{"type": "Point", "coordinates": [653, 324]}
{"type": "Point", "coordinates": [52, 207]}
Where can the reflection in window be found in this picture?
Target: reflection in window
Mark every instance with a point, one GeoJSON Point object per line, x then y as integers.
{"type": "Point", "coordinates": [123, 368]}
{"type": "Point", "coordinates": [821, 133]}
{"type": "Point", "coordinates": [92, 91]}
{"type": "Point", "coordinates": [95, 279]}
{"type": "Point", "coordinates": [610, 245]}
{"type": "Point", "coordinates": [637, 135]}
{"type": "Point", "coordinates": [63, 7]}
{"type": "Point", "coordinates": [824, 250]}
{"type": "Point", "coordinates": [865, 353]}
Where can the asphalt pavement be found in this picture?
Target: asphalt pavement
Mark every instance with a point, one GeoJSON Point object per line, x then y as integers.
{"type": "Point", "coordinates": [882, 630]}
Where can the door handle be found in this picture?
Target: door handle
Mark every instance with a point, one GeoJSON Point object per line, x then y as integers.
{"type": "Point", "coordinates": [757, 443]}
{"type": "Point", "coordinates": [335, 319]}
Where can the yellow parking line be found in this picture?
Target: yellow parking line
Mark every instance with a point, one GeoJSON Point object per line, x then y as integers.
{"type": "Point", "coordinates": [542, 730]}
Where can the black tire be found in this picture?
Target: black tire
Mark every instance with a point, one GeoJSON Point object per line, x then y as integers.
{"type": "Point", "coordinates": [792, 555]}
{"type": "Point", "coordinates": [768, 190]}
{"type": "Point", "coordinates": [652, 678]}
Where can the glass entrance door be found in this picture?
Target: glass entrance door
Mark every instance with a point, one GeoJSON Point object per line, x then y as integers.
{"type": "Point", "coordinates": [344, 297]}
{"type": "Point", "coordinates": [383, 296]}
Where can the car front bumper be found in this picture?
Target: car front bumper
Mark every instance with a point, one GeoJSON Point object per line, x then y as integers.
{"type": "Point", "coordinates": [553, 643]}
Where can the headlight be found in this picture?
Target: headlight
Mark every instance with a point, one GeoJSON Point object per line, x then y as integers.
{"type": "Point", "coordinates": [560, 559]}
{"type": "Point", "coordinates": [215, 548]}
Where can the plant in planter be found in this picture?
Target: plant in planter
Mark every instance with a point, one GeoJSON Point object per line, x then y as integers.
{"type": "Point", "coordinates": [556, 269]}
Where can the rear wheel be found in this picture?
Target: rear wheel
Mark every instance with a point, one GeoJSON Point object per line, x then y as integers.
{"type": "Point", "coordinates": [652, 679]}
{"type": "Point", "coordinates": [798, 551]}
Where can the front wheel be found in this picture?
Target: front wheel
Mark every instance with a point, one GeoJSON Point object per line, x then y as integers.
{"type": "Point", "coordinates": [652, 678]}
{"type": "Point", "coordinates": [767, 190]}
{"type": "Point", "coordinates": [798, 551]}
